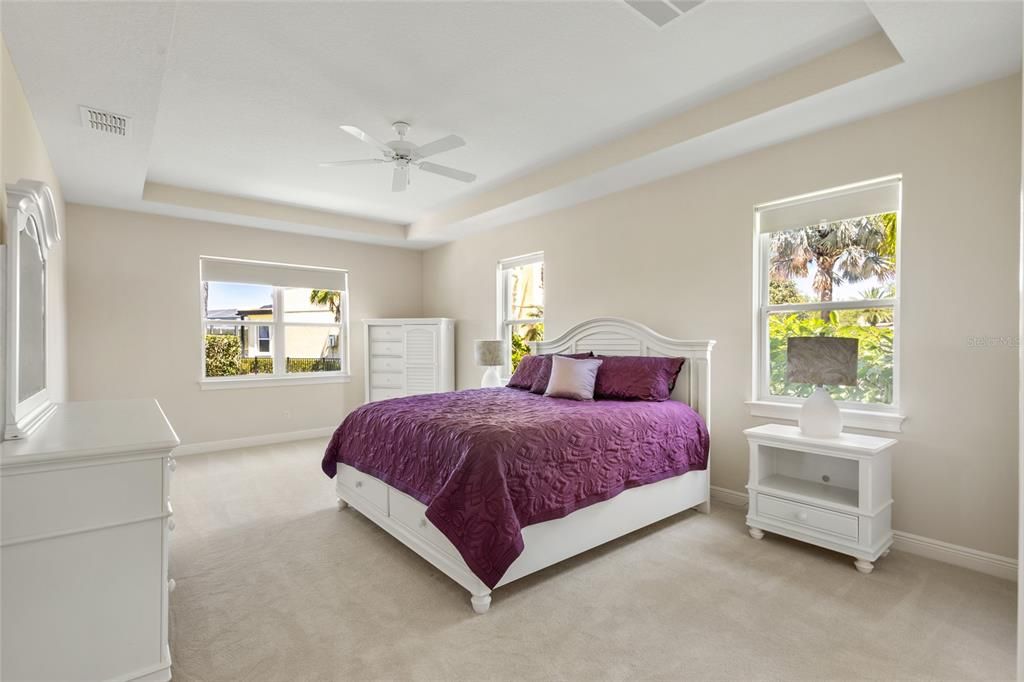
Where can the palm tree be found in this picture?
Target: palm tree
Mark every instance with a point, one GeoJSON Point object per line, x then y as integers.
{"type": "Point", "coordinates": [331, 299]}
{"type": "Point", "coordinates": [877, 317]}
{"type": "Point", "coordinates": [846, 251]}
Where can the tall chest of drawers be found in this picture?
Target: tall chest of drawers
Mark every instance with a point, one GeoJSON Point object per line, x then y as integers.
{"type": "Point", "coordinates": [409, 356]}
{"type": "Point", "coordinates": [84, 541]}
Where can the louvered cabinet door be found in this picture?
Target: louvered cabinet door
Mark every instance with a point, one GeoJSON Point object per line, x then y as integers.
{"type": "Point", "coordinates": [421, 361]}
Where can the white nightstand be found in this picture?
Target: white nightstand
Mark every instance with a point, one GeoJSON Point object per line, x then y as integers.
{"type": "Point", "coordinates": [831, 492]}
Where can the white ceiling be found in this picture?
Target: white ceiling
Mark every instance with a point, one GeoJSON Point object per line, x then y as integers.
{"type": "Point", "coordinates": [244, 99]}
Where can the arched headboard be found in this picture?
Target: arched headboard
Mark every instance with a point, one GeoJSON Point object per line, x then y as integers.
{"type": "Point", "coordinates": [615, 336]}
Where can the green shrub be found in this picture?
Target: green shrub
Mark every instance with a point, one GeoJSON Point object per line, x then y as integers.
{"type": "Point", "coordinates": [223, 355]}
{"type": "Point", "coordinates": [521, 343]}
{"type": "Point", "coordinates": [874, 352]}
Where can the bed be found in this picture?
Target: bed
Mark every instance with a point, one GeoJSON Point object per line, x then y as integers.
{"type": "Point", "coordinates": [490, 485]}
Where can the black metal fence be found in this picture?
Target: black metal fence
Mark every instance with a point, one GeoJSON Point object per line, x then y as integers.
{"type": "Point", "coordinates": [265, 365]}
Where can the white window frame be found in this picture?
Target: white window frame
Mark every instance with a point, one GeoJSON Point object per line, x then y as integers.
{"type": "Point", "coordinates": [875, 416]}
{"type": "Point", "coordinates": [280, 376]}
{"type": "Point", "coordinates": [505, 325]}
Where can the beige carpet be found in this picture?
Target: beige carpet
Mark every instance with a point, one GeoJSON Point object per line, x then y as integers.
{"type": "Point", "coordinates": [273, 583]}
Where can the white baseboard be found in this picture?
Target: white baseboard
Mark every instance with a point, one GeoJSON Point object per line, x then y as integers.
{"type": "Point", "coordinates": [976, 560]}
{"type": "Point", "coordinates": [250, 441]}
{"type": "Point", "coordinates": [965, 557]}
{"type": "Point", "coordinates": [727, 496]}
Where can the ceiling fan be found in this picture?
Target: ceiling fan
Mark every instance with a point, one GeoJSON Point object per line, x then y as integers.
{"type": "Point", "coordinates": [404, 154]}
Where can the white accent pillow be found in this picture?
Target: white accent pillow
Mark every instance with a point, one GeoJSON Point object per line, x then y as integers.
{"type": "Point", "coordinates": [572, 379]}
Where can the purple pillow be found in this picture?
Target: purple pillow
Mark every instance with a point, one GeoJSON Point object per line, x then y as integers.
{"type": "Point", "coordinates": [526, 372]}
{"type": "Point", "coordinates": [529, 369]}
{"type": "Point", "coordinates": [633, 377]}
{"type": "Point", "coordinates": [540, 380]}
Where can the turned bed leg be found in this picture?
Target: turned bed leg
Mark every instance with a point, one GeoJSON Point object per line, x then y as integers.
{"type": "Point", "coordinates": [342, 504]}
{"type": "Point", "coordinates": [755, 533]}
{"type": "Point", "coordinates": [481, 602]}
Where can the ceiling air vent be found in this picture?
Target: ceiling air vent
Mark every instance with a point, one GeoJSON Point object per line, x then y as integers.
{"type": "Point", "coordinates": [100, 121]}
{"type": "Point", "coordinates": [661, 12]}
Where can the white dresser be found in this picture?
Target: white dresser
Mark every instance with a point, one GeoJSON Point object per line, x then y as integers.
{"type": "Point", "coordinates": [409, 356]}
{"type": "Point", "coordinates": [84, 537]}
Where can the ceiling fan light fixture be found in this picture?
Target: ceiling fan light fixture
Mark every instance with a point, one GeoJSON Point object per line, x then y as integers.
{"type": "Point", "coordinates": [404, 154]}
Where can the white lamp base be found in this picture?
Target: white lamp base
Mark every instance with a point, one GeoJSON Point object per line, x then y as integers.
{"type": "Point", "coordinates": [491, 378]}
{"type": "Point", "coordinates": [820, 416]}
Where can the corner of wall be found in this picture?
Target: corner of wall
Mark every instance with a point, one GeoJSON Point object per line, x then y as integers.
{"type": "Point", "coordinates": [23, 155]}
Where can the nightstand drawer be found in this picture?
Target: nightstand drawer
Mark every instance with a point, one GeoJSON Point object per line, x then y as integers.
{"type": "Point", "coordinates": [845, 525]}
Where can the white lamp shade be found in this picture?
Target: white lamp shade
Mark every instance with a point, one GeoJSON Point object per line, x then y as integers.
{"type": "Point", "coordinates": [489, 353]}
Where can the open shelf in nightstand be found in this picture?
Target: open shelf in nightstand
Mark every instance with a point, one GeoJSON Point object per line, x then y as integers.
{"type": "Point", "coordinates": [813, 478]}
{"type": "Point", "coordinates": [810, 491]}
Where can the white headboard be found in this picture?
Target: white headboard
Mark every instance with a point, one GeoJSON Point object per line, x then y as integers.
{"type": "Point", "coordinates": [615, 336]}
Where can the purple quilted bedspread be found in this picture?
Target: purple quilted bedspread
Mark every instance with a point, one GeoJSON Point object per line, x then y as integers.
{"type": "Point", "coordinates": [488, 462]}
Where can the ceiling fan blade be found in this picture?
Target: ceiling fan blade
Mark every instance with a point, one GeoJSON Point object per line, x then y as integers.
{"type": "Point", "coordinates": [438, 146]}
{"type": "Point", "coordinates": [400, 179]}
{"type": "Point", "coordinates": [356, 162]}
{"type": "Point", "coordinates": [452, 173]}
{"type": "Point", "coordinates": [361, 134]}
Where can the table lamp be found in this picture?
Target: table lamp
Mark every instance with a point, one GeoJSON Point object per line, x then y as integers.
{"type": "Point", "coordinates": [490, 354]}
{"type": "Point", "coordinates": [821, 361]}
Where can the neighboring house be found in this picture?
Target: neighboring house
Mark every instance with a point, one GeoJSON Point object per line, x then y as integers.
{"type": "Point", "coordinates": [301, 341]}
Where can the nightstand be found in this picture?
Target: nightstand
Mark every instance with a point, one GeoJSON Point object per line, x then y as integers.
{"type": "Point", "coordinates": [832, 492]}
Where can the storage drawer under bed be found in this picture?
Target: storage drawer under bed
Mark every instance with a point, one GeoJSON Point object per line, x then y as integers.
{"type": "Point", "coordinates": [364, 487]}
{"type": "Point", "coordinates": [411, 513]}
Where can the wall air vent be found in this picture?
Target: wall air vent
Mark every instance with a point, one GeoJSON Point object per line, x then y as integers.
{"type": "Point", "coordinates": [106, 122]}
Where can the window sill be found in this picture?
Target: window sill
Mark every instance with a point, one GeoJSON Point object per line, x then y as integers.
{"type": "Point", "coordinates": [220, 383]}
{"type": "Point", "coordinates": [889, 422]}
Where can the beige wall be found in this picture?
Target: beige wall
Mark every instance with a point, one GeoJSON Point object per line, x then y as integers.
{"type": "Point", "coordinates": [24, 156]}
{"type": "Point", "coordinates": [134, 316]}
{"type": "Point", "coordinates": [677, 255]}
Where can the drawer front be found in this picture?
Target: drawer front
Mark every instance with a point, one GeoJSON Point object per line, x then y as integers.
{"type": "Point", "coordinates": [411, 514]}
{"type": "Point", "coordinates": [386, 348]}
{"type": "Point", "coordinates": [385, 394]}
{"type": "Point", "coordinates": [387, 364]}
{"type": "Point", "coordinates": [386, 333]}
{"type": "Point", "coordinates": [62, 500]}
{"type": "Point", "coordinates": [808, 516]}
{"type": "Point", "coordinates": [100, 593]}
{"type": "Point", "coordinates": [385, 380]}
{"type": "Point", "coordinates": [363, 486]}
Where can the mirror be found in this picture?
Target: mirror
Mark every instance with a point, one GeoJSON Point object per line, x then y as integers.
{"type": "Point", "coordinates": [31, 318]}
{"type": "Point", "coordinates": [31, 229]}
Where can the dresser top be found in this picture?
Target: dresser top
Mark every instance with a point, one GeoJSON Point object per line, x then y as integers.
{"type": "Point", "coordinates": [94, 428]}
{"type": "Point", "coordinates": [791, 435]}
{"type": "Point", "coordinates": [408, 320]}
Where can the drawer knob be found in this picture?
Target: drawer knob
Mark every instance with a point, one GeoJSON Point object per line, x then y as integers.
{"type": "Point", "coordinates": [170, 524]}
{"type": "Point", "coordinates": [171, 585]}
{"type": "Point", "coordinates": [801, 516]}
{"type": "Point", "coordinates": [171, 464]}
{"type": "Point", "coordinates": [359, 484]}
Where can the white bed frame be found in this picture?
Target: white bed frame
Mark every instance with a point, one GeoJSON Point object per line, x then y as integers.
{"type": "Point", "coordinates": [552, 541]}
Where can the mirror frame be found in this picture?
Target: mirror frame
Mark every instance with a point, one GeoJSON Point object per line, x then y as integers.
{"type": "Point", "coordinates": [31, 214]}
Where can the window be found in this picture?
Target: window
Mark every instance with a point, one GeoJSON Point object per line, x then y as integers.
{"type": "Point", "coordinates": [829, 267]}
{"type": "Point", "coordinates": [263, 338]}
{"type": "Point", "coordinates": [520, 305]}
{"type": "Point", "coordinates": [271, 321]}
